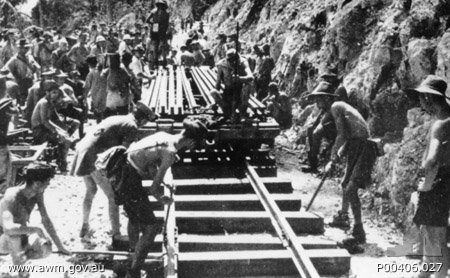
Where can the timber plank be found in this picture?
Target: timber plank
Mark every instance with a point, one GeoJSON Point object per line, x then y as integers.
{"type": "Point", "coordinates": [226, 186]}
{"type": "Point", "coordinates": [218, 222]}
{"type": "Point", "coordinates": [254, 263]}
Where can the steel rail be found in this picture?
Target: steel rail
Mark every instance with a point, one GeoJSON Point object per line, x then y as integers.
{"type": "Point", "coordinates": [303, 263]}
{"type": "Point", "coordinates": [201, 86]}
{"type": "Point", "coordinates": [162, 105]}
{"type": "Point", "coordinates": [188, 89]}
{"type": "Point", "coordinates": [179, 95]}
{"type": "Point", "coordinates": [171, 92]}
{"type": "Point", "coordinates": [209, 86]}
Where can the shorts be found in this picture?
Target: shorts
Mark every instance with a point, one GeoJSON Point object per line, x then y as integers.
{"type": "Point", "coordinates": [433, 239]}
{"type": "Point", "coordinates": [140, 212]}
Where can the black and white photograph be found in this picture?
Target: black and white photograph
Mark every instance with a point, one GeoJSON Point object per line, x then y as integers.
{"type": "Point", "coordinates": [224, 138]}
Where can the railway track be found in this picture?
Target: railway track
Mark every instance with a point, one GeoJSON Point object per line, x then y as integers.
{"type": "Point", "coordinates": [233, 217]}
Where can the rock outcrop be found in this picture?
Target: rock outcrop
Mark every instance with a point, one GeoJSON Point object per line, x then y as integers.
{"type": "Point", "coordinates": [380, 48]}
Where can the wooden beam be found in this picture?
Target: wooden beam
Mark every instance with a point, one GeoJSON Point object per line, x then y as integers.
{"type": "Point", "coordinates": [179, 95]}
{"type": "Point", "coordinates": [187, 89]}
{"type": "Point", "coordinates": [171, 104]}
{"type": "Point", "coordinates": [232, 202]}
{"type": "Point", "coordinates": [335, 262]}
{"type": "Point", "coordinates": [234, 242]}
{"type": "Point", "coordinates": [162, 103]}
{"type": "Point", "coordinates": [217, 222]}
{"type": "Point", "coordinates": [227, 186]}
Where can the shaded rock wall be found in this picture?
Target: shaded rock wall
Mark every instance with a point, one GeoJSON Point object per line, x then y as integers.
{"type": "Point", "coordinates": [380, 47]}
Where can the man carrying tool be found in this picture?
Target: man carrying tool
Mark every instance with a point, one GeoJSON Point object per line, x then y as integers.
{"type": "Point", "coordinates": [148, 158]}
{"type": "Point", "coordinates": [18, 239]}
{"type": "Point", "coordinates": [233, 78]}
{"type": "Point", "coordinates": [352, 141]}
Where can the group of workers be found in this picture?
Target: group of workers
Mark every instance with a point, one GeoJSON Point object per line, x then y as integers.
{"type": "Point", "coordinates": [52, 83]}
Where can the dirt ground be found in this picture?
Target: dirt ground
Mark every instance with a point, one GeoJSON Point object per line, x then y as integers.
{"type": "Point", "coordinates": [65, 195]}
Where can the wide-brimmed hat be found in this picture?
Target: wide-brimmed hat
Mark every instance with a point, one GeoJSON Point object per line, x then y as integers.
{"type": "Point", "coordinates": [139, 48]}
{"type": "Point", "coordinates": [140, 106]}
{"type": "Point", "coordinates": [195, 129]}
{"type": "Point", "coordinates": [100, 39]}
{"type": "Point", "coordinates": [432, 84]}
{"type": "Point", "coordinates": [39, 171]}
{"type": "Point", "coordinates": [61, 74]}
{"type": "Point", "coordinates": [23, 43]}
{"type": "Point", "coordinates": [48, 73]}
{"type": "Point", "coordinates": [323, 89]}
{"type": "Point", "coordinates": [163, 2]}
{"type": "Point", "coordinates": [127, 37]}
{"type": "Point", "coordinates": [47, 34]}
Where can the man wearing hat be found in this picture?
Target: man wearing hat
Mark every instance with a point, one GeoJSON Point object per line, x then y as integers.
{"type": "Point", "coordinates": [78, 54]}
{"type": "Point", "coordinates": [199, 58]}
{"type": "Point", "coordinates": [322, 128]}
{"type": "Point", "coordinates": [432, 211]}
{"type": "Point", "coordinates": [45, 50]}
{"type": "Point", "coordinates": [150, 158]}
{"type": "Point", "coordinates": [47, 125]}
{"type": "Point", "coordinates": [137, 64]}
{"type": "Point", "coordinates": [159, 25]}
{"type": "Point", "coordinates": [126, 45]}
{"type": "Point", "coordinates": [186, 57]}
{"type": "Point", "coordinates": [330, 76]}
{"type": "Point", "coordinates": [17, 238]}
{"type": "Point", "coordinates": [221, 49]}
{"type": "Point", "coordinates": [263, 74]}
{"type": "Point", "coordinates": [352, 141]}
{"type": "Point", "coordinates": [23, 66]}
{"type": "Point", "coordinates": [113, 131]}
{"type": "Point", "coordinates": [99, 50]}
{"type": "Point", "coordinates": [7, 109]}
{"type": "Point", "coordinates": [279, 106]}
{"type": "Point", "coordinates": [60, 60]}
{"type": "Point", "coordinates": [233, 97]}
{"type": "Point", "coordinates": [9, 49]}
{"type": "Point", "coordinates": [35, 93]}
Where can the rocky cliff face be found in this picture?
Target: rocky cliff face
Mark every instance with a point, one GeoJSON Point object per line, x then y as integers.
{"type": "Point", "coordinates": [380, 47]}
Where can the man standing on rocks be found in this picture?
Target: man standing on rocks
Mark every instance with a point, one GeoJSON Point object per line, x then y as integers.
{"type": "Point", "coordinates": [113, 131]}
{"type": "Point", "coordinates": [434, 191]}
{"type": "Point", "coordinates": [352, 141]}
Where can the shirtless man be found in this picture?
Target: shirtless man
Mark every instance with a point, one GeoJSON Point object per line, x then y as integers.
{"type": "Point", "coordinates": [45, 120]}
{"type": "Point", "coordinates": [150, 158]}
{"type": "Point", "coordinates": [352, 142]}
{"type": "Point", "coordinates": [18, 239]}
{"type": "Point", "coordinates": [434, 191]}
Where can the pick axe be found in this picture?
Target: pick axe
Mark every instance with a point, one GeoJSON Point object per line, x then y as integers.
{"type": "Point", "coordinates": [322, 181]}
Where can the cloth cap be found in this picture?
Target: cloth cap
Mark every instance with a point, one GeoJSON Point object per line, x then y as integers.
{"type": "Point", "coordinates": [39, 171]}
{"type": "Point", "coordinates": [323, 89]}
{"type": "Point", "coordinates": [100, 39]}
{"type": "Point", "coordinates": [91, 59]}
{"type": "Point", "coordinates": [432, 84]}
{"type": "Point", "coordinates": [195, 129]}
{"type": "Point", "coordinates": [266, 48]}
{"type": "Point", "coordinates": [140, 106]}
